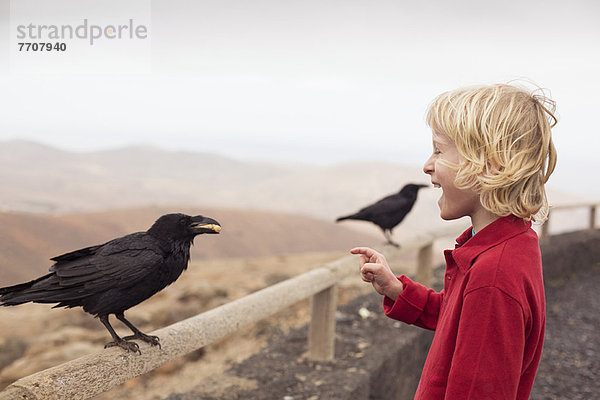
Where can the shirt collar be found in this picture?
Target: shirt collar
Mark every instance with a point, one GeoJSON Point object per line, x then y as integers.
{"type": "Point", "coordinates": [469, 247]}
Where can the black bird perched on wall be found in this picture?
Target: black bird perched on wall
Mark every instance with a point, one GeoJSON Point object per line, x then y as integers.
{"type": "Point", "coordinates": [389, 211]}
{"type": "Point", "coordinates": [117, 275]}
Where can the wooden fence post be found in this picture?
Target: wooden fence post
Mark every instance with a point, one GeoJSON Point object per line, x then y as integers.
{"type": "Point", "coordinates": [545, 227]}
{"type": "Point", "coordinates": [593, 216]}
{"type": "Point", "coordinates": [321, 337]}
{"type": "Point", "coordinates": [425, 264]}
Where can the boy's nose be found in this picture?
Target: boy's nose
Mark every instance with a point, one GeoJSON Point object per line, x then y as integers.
{"type": "Point", "coordinates": [428, 167]}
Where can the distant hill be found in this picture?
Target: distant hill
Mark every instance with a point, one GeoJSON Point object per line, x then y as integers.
{"type": "Point", "coordinates": [39, 178]}
{"type": "Point", "coordinates": [43, 179]}
{"type": "Point", "coordinates": [27, 241]}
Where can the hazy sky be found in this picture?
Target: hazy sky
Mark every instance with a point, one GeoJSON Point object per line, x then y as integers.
{"type": "Point", "coordinates": [309, 81]}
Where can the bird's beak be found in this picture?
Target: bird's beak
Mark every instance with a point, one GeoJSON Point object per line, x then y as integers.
{"type": "Point", "coordinates": [202, 224]}
{"type": "Point", "coordinates": [424, 186]}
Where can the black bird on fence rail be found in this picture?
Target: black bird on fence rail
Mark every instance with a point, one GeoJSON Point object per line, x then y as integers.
{"type": "Point", "coordinates": [115, 276]}
{"type": "Point", "coordinates": [388, 212]}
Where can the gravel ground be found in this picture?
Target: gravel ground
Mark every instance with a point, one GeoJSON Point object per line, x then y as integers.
{"type": "Point", "coordinates": [570, 365]}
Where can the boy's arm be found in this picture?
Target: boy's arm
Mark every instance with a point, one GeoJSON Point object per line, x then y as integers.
{"type": "Point", "coordinates": [488, 357]}
{"type": "Point", "coordinates": [416, 305]}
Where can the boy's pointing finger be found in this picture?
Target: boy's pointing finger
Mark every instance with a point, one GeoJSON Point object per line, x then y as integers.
{"type": "Point", "coordinates": [369, 254]}
{"type": "Point", "coordinates": [357, 250]}
{"type": "Point", "coordinates": [364, 250]}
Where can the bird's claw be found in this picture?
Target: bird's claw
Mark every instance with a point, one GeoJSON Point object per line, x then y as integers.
{"type": "Point", "coordinates": [124, 344]}
{"type": "Point", "coordinates": [150, 339]}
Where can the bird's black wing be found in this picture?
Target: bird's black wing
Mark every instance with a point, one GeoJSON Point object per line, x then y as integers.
{"type": "Point", "coordinates": [119, 263]}
{"type": "Point", "coordinates": [74, 255]}
{"type": "Point", "coordinates": [389, 204]}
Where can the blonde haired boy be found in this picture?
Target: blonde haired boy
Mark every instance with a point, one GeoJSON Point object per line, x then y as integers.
{"type": "Point", "coordinates": [492, 155]}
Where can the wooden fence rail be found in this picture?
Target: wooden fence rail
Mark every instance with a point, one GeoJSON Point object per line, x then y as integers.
{"type": "Point", "coordinates": [96, 373]}
{"type": "Point", "coordinates": [592, 218]}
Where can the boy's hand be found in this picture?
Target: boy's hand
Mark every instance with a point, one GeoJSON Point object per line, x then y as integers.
{"type": "Point", "coordinates": [375, 270]}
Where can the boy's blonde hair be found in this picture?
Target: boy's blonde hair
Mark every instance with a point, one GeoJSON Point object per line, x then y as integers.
{"type": "Point", "coordinates": [503, 134]}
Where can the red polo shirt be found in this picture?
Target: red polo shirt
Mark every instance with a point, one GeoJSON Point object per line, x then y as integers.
{"type": "Point", "coordinates": [489, 319]}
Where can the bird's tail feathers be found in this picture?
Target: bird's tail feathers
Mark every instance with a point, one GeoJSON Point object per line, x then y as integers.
{"type": "Point", "coordinates": [19, 294]}
{"type": "Point", "coordinates": [353, 216]}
